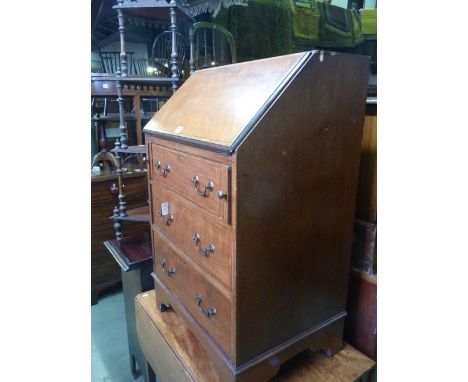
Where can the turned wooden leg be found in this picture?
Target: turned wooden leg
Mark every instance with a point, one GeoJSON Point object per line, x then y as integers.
{"type": "Point", "coordinates": [150, 374]}
{"type": "Point", "coordinates": [329, 339]}
{"type": "Point", "coordinates": [163, 308]}
{"type": "Point", "coordinates": [133, 368]}
{"type": "Point", "coordinates": [334, 342]}
{"type": "Point", "coordinates": [94, 297]}
{"type": "Point", "coordinates": [333, 348]}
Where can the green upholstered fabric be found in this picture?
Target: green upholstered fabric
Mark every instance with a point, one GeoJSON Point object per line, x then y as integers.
{"type": "Point", "coordinates": [369, 21]}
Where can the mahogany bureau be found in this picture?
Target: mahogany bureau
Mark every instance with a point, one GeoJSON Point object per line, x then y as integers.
{"type": "Point", "coordinates": [253, 171]}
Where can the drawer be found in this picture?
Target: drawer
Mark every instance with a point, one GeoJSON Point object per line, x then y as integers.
{"type": "Point", "coordinates": [210, 308]}
{"type": "Point", "coordinates": [212, 250]}
{"type": "Point", "coordinates": [109, 189]}
{"type": "Point", "coordinates": [202, 181]}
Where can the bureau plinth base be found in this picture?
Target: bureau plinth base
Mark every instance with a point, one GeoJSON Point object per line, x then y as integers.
{"type": "Point", "coordinates": [326, 336]}
{"type": "Point", "coordinates": [175, 353]}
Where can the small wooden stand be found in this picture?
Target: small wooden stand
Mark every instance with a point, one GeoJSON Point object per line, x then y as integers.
{"type": "Point", "coordinates": [134, 255]}
{"type": "Point", "coordinates": [174, 353]}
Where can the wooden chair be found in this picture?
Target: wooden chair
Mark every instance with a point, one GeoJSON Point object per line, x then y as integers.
{"type": "Point", "coordinates": [211, 45]}
{"type": "Point", "coordinates": [141, 66]}
{"type": "Point", "coordinates": [161, 53]}
{"type": "Point", "coordinates": [100, 125]}
{"type": "Point", "coordinates": [111, 62]}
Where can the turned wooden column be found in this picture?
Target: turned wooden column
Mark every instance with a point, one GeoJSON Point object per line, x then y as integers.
{"type": "Point", "coordinates": [174, 55]}
{"type": "Point", "coordinates": [123, 141]}
{"type": "Point", "coordinates": [123, 54]}
{"type": "Point", "coordinates": [117, 225]}
{"type": "Point", "coordinates": [192, 50]}
{"type": "Point", "coordinates": [122, 72]}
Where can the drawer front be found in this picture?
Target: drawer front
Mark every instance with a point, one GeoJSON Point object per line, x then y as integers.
{"type": "Point", "coordinates": [198, 236]}
{"type": "Point", "coordinates": [109, 189]}
{"type": "Point", "coordinates": [208, 306]}
{"type": "Point", "coordinates": [202, 181]}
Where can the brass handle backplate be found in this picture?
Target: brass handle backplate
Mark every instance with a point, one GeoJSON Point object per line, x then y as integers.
{"type": "Point", "coordinates": [203, 251]}
{"type": "Point", "coordinates": [165, 170]}
{"type": "Point", "coordinates": [166, 219]}
{"type": "Point", "coordinates": [208, 187]}
{"type": "Point", "coordinates": [210, 312]}
{"type": "Point", "coordinates": [170, 272]}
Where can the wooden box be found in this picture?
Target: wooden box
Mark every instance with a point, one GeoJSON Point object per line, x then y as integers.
{"type": "Point", "coordinates": [252, 180]}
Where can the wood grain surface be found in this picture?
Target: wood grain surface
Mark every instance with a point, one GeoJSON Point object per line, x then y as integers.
{"type": "Point", "coordinates": [182, 169]}
{"type": "Point", "coordinates": [366, 205]}
{"type": "Point", "coordinates": [188, 220]}
{"type": "Point", "coordinates": [186, 282]}
{"type": "Point", "coordinates": [177, 355]}
{"type": "Point", "coordinates": [361, 323]}
{"type": "Point", "coordinates": [215, 105]}
{"type": "Point", "coordinates": [296, 183]}
{"type": "Point", "coordinates": [291, 201]}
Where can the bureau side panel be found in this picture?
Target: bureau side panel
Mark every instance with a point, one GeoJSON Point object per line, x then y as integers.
{"type": "Point", "coordinates": [296, 181]}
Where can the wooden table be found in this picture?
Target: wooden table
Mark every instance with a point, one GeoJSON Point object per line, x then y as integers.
{"type": "Point", "coordinates": [134, 255]}
{"type": "Point", "coordinates": [175, 354]}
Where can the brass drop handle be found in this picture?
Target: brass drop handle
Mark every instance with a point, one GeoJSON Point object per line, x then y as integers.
{"type": "Point", "coordinates": [166, 219]}
{"type": "Point", "coordinates": [211, 312]}
{"type": "Point", "coordinates": [208, 187]}
{"type": "Point", "coordinates": [165, 170]}
{"type": "Point", "coordinates": [203, 251]}
{"type": "Point", "coordinates": [170, 272]}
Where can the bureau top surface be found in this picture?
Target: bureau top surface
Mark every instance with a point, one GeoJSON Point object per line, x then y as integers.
{"type": "Point", "coordinates": [217, 105]}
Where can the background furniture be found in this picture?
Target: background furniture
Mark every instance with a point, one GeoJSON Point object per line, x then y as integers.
{"type": "Point", "coordinates": [103, 156]}
{"type": "Point", "coordinates": [104, 190]}
{"type": "Point", "coordinates": [167, 12]}
{"type": "Point", "coordinates": [361, 322]}
{"type": "Point", "coordinates": [252, 207]}
{"type": "Point", "coordinates": [139, 103]}
{"type": "Point", "coordinates": [162, 50]}
{"type": "Point", "coordinates": [110, 62]}
{"type": "Point", "coordinates": [142, 67]}
{"type": "Point", "coordinates": [210, 45]}
{"type": "Point", "coordinates": [175, 354]}
{"type": "Point", "coordinates": [157, 10]}
{"type": "Point", "coordinates": [136, 105]}
{"type": "Point", "coordinates": [134, 256]}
